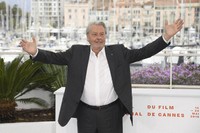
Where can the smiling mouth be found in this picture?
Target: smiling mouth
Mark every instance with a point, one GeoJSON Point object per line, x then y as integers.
{"type": "Point", "coordinates": [99, 42]}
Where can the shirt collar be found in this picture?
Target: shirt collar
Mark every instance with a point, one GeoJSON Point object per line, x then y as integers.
{"type": "Point", "coordinates": [103, 52]}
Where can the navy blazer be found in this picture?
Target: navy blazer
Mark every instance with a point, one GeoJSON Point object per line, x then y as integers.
{"type": "Point", "coordinates": [76, 58]}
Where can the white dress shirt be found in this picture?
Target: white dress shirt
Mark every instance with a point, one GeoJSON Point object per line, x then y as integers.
{"type": "Point", "coordinates": [98, 89]}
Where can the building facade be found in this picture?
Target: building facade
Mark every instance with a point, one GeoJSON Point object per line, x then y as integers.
{"type": "Point", "coordinates": [142, 17]}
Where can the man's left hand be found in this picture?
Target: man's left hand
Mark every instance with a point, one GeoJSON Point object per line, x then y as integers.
{"type": "Point", "coordinates": [172, 29]}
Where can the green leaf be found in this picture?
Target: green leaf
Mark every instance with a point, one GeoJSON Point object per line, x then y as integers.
{"type": "Point", "coordinates": [19, 77]}
{"type": "Point", "coordinates": [37, 101]}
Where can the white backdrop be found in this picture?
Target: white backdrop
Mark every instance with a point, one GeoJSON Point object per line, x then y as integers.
{"type": "Point", "coordinates": [154, 111]}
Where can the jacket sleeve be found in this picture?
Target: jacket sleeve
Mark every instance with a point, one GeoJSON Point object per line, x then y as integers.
{"type": "Point", "coordinates": [58, 58]}
{"type": "Point", "coordinates": [147, 51]}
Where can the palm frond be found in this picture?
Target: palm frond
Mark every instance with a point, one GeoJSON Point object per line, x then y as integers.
{"type": "Point", "coordinates": [37, 101]}
{"type": "Point", "coordinates": [17, 78]}
{"type": "Point", "coordinates": [60, 72]}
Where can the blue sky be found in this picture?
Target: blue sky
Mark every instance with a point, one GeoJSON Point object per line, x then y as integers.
{"type": "Point", "coordinates": [19, 3]}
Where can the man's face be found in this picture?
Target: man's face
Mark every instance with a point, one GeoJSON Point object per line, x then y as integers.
{"type": "Point", "coordinates": [97, 36]}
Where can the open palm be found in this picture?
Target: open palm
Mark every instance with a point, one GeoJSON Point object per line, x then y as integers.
{"type": "Point", "coordinates": [172, 29]}
{"type": "Point", "coordinates": [29, 47]}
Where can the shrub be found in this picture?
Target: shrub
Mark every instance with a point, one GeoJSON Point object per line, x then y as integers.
{"type": "Point", "coordinates": [184, 74]}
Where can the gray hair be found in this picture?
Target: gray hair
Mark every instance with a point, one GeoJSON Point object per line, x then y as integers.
{"type": "Point", "coordinates": [95, 23]}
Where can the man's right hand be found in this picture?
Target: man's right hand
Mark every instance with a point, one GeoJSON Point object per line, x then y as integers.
{"type": "Point", "coordinates": [29, 47]}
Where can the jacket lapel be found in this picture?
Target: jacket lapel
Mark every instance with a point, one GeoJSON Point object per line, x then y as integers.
{"type": "Point", "coordinates": [85, 58]}
{"type": "Point", "coordinates": [110, 57]}
{"type": "Point", "coordinates": [84, 61]}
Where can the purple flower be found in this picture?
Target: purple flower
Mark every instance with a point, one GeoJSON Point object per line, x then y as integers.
{"type": "Point", "coordinates": [184, 74]}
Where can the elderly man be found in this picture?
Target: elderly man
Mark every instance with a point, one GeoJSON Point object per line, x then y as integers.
{"type": "Point", "coordinates": [98, 90]}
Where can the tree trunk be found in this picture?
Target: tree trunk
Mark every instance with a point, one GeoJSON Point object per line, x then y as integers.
{"type": "Point", "coordinates": [7, 111]}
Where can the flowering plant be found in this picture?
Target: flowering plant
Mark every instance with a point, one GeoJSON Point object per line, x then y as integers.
{"type": "Point", "coordinates": [183, 74]}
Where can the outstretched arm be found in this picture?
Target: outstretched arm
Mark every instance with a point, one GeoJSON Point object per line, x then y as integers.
{"type": "Point", "coordinates": [29, 47]}
{"type": "Point", "coordinates": [172, 29]}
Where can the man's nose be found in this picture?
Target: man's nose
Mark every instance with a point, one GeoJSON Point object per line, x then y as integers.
{"type": "Point", "coordinates": [99, 36]}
